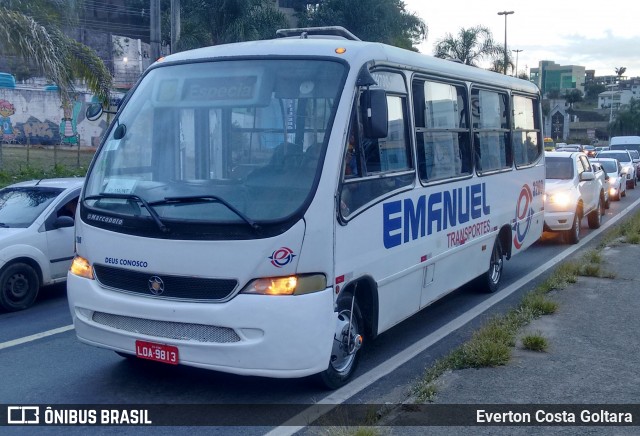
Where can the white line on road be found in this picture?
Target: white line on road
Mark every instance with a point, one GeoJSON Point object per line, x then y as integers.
{"type": "Point", "coordinates": [365, 380]}
{"type": "Point", "coordinates": [35, 337]}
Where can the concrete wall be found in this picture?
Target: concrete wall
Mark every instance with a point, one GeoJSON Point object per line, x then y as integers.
{"type": "Point", "coordinates": [37, 116]}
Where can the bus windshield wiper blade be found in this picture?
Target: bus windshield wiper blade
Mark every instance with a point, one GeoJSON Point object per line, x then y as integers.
{"type": "Point", "coordinates": [208, 198]}
{"type": "Point", "coordinates": [133, 197]}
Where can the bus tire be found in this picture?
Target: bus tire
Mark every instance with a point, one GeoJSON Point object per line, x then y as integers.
{"type": "Point", "coordinates": [19, 285]}
{"type": "Point", "coordinates": [489, 282]}
{"type": "Point", "coordinates": [343, 363]}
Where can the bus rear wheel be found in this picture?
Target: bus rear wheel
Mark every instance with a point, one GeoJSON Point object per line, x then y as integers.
{"type": "Point", "coordinates": [347, 341]}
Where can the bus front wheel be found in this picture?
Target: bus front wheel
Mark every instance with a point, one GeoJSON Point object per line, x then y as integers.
{"type": "Point", "coordinates": [347, 341]}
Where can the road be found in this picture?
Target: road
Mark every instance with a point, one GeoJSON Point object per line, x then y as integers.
{"type": "Point", "coordinates": [58, 369]}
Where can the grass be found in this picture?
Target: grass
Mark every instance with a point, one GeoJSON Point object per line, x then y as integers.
{"type": "Point", "coordinates": [493, 343]}
{"type": "Point", "coordinates": [535, 342]}
{"type": "Point", "coordinates": [26, 163]}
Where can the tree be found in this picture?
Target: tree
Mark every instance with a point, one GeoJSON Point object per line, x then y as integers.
{"type": "Point", "coordinates": [592, 90]}
{"type": "Point", "coordinates": [573, 96]}
{"type": "Point", "coordinates": [213, 22]}
{"type": "Point", "coordinates": [470, 46]}
{"type": "Point", "coordinates": [620, 71]}
{"type": "Point", "coordinates": [627, 121]}
{"type": "Point", "coordinates": [61, 59]}
{"type": "Point", "coordinates": [497, 60]}
{"type": "Point", "coordinates": [385, 21]}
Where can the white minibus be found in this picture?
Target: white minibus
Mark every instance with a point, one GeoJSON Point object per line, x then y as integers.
{"type": "Point", "coordinates": [266, 208]}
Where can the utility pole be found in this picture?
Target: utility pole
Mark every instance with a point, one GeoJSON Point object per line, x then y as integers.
{"type": "Point", "coordinates": [506, 56]}
{"type": "Point", "coordinates": [518, 50]}
{"type": "Point", "coordinates": [175, 24]}
{"type": "Point", "coordinates": [154, 36]}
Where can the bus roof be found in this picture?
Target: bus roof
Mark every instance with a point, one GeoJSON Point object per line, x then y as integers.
{"type": "Point", "coordinates": [357, 53]}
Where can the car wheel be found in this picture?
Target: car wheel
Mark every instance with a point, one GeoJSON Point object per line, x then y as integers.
{"type": "Point", "coordinates": [490, 281]}
{"type": "Point", "coordinates": [572, 236]}
{"type": "Point", "coordinates": [595, 217]}
{"type": "Point", "coordinates": [19, 286]}
{"type": "Point", "coordinates": [347, 341]}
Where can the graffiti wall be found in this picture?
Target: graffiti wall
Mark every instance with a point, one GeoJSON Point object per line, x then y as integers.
{"type": "Point", "coordinates": [38, 117]}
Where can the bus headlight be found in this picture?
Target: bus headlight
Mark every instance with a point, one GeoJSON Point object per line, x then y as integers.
{"type": "Point", "coordinates": [81, 267]}
{"type": "Point", "coordinates": [291, 285]}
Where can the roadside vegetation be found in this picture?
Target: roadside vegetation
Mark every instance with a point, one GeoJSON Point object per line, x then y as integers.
{"type": "Point", "coordinates": [22, 163]}
{"type": "Point", "coordinates": [494, 342]}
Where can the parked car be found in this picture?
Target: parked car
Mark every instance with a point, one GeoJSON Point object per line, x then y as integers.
{"type": "Point", "coordinates": [617, 182]}
{"type": "Point", "coordinates": [36, 237]}
{"type": "Point", "coordinates": [572, 192]}
{"type": "Point", "coordinates": [624, 157]}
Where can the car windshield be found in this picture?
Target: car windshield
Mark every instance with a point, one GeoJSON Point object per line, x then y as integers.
{"type": "Point", "coordinates": [634, 154]}
{"type": "Point", "coordinates": [621, 156]}
{"type": "Point", "coordinates": [559, 168]}
{"type": "Point", "coordinates": [227, 142]}
{"type": "Point", "coordinates": [19, 207]}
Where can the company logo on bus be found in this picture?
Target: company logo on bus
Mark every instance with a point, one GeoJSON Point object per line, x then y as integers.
{"type": "Point", "coordinates": [524, 213]}
{"type": "Point", "coordinates": [281, 257]}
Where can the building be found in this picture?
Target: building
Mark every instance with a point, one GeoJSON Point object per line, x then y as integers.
{"type": "Point", "coordinates": [551, 76]}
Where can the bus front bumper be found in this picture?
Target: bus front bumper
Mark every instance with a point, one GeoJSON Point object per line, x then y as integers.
{"type": "Point", "coordinates": [273, 336]}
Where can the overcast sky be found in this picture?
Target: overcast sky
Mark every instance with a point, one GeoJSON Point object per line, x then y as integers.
{"type": "Point", "coordinates": [599, 38]}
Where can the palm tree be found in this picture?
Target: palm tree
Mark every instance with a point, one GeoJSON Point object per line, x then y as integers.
{"type": "Point", "coordinates": [470, 46]}
{"type": "Point", "coordinates": [620, 71]}
{"type": "Point", "coordinates": [497, 60]}
{"type": "Point", "coordinates": [61, 59]}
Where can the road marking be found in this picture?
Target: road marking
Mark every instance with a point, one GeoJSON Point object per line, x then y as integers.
{"type": "Point", "coordinates": [365, 380]}
{"type": "Point", "coordinates": [35, 337]}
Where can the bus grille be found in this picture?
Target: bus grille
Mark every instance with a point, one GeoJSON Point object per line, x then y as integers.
{"type": "Point", "coordinates": [174, 287]}
{"type": "Point", "coordinates": [167, 329]}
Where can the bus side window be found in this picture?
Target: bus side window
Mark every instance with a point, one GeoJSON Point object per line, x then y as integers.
{"type": "Point", "coordinates": [390, 156]}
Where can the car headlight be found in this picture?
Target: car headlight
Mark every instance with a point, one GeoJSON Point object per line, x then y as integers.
{"type": "Point", "coordinates": [561, 199]}
{"type": "Point", "coordinates": [81, 267]}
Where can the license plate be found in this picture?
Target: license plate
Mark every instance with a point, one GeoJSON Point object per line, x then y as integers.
{"type": "Point", "coordinates": [158, 352]}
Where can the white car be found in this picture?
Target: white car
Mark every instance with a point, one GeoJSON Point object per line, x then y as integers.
{"type": "Point", "coordinates": [572, 191]}
{"type": "Point", "coordinates": [625, 159]}
{"type": "Point", "coordinates": [616, 181]}
{"type": "Point", "coordinates": [36, 237]}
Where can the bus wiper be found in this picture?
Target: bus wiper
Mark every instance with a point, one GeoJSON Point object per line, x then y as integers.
{"type": "Point", "coordinates": [133, 197]}
{"type": "Point", "coordinates": [205, 199]}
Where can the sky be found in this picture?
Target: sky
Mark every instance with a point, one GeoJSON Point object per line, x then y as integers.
{"type": "Point", "coordinates": [600, 38]}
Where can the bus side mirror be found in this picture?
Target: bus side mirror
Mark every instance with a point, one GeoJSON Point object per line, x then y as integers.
{"type": "Point", "coordinates": [374, 113]}
{"type": "Point", "coordinates": [94, 111]}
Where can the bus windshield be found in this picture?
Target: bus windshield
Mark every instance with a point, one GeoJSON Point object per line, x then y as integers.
{"type": "Point", "coordinates": [231, 142]}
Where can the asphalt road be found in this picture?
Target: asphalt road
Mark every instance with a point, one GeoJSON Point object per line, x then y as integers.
{"type": "Point", "coordinates": [57, 369]}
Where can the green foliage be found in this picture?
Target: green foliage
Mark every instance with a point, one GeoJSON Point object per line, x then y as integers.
{"type": "Point", "coordinates": [535, 342]}
{"type": "Point", "coordinates": [213, 22]}
{"type": "Point", "coordinates": [627, 120]}
{"type": "Point", "coordinates": [469, 46]}
{"type": "Point", "coordinates": [573, 96]}
{"type": "Point", "coordinates": [62, 59]}
{"type": "Point", "coordinates": [386, 21]}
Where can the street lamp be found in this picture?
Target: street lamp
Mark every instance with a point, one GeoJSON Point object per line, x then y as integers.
{"type": "Point", "coordinates": [505, 13]}
{"type": "Point", "coordinates": [517, 52]}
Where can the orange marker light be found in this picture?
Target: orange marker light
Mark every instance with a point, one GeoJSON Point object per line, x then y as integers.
{"type": "Point", "coordinates": [341, 50]}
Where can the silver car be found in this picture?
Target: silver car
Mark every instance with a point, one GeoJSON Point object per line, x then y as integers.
{"type": "Point", "coordinates": [625, 159]}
